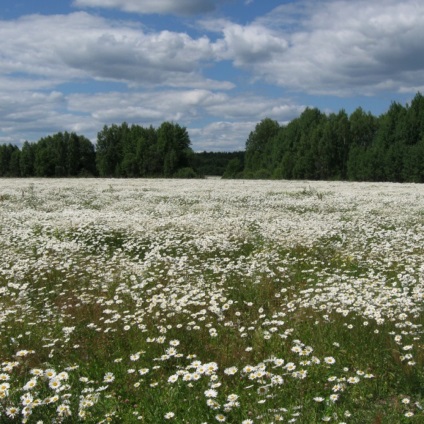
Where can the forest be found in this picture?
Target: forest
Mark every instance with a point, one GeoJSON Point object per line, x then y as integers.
{"type": "Point", "coordinates": [359, 147]}
{"type": "Point", "coordinates": [314, 146]}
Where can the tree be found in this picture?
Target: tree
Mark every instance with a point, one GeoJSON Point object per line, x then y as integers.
{"type": "Point", "coordinates": [109, 150]}
{"type": "Point", "coordinates": [258, 145]}
{"type": "Point", "coordinates": [27, 159]}
{"type": "Point", "coordinates": [233, 169]}
{"type": "Point", "coordinates": [174, 147]}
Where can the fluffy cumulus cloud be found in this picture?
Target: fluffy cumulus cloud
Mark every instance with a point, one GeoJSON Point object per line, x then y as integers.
{"type": "Point", "coordinates": [248, 45]}
{"type": "Point", "coordinates": [221, 136]}
{"type": "Point", "coordinates": [177, 7]}
{"type": "Point", "coordinates": [91, 47]}
{"type": "Point", "coordinates": [334, 47]}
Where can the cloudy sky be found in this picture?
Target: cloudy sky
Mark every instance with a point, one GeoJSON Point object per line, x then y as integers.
{"type": "Point", "coordinates": [216, 67]}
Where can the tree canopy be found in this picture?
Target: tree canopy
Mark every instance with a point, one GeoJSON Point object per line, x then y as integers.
{"type": "Point", "coordinates": [358, 147]}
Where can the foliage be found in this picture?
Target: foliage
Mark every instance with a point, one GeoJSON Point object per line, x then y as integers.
{"type": "Point", "coordinates": [358, 147]}
{"type": "Point", "coordinates": [216, 163]}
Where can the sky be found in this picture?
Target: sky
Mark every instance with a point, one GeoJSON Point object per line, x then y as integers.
{"type": "Point", "coordinates": [215, 67]}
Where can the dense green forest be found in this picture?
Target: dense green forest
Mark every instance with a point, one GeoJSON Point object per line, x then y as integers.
{"type": "Point", "coordinates": [359, 147]}
{"type": "Point", "coordinates": [120, 151]}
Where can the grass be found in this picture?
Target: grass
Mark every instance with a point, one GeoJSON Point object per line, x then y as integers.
{"type": "Point", "coordinates": [170, 325]}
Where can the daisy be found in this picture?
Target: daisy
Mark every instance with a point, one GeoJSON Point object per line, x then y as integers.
{"type": "Point", "coordinates": [329, 360]}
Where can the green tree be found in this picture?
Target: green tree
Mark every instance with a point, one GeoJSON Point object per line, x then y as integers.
{"type": "Point", "coordinates": [259, 146]}
{"type": "Point", "coordinates": [87, 157]}
{"type": "Point", "coordinates": [233, 169]}
{"type": "Point", "coordinates": [173, 145]}
{"type": "Point", "coordinates": [109, 150]}
{"type": "Point", "coordinates": [27, 159]}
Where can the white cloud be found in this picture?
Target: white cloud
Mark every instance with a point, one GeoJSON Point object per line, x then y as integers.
{"type": "Point", "coordinates": [190, 105]}
{"type": "Point", "coordinates": [81, 46]}
{"type": "Point", "coordinates": [332, 47]}
{"type": "Point", "coordinates": [177, 7]}
{"type": "Point", "coordinates": [221, 136]}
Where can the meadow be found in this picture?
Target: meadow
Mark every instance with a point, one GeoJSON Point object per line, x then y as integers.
{"type": "Point", "coordinates": [206, 301]}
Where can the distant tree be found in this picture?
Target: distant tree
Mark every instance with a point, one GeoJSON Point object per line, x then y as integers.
{"type": "Point", "coordinates": [87, 157]}
{"type": "Point", "coordinates": [363, 128]}
{"type": "Point", "coordinates": [27, 159]}
{"type": "Point", "coordinates": [109, 150]}
{"type": "Point", "coordinates": [233, 169]}
{"type": "Point", "coordinates": [258, 146]}
{"type": "Point", "coordinates": [174, 147]}
{"type": "Point", "coordinates": [9, 160]}
{"type": "Point", "coordinates": [14, 166]}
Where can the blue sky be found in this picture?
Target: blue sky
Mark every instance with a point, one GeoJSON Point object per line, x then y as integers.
{"type": "Point", "coordinates": [216, 67]}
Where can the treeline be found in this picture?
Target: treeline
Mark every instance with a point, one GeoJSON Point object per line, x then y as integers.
{"type": "Point", "coordinates": [120, 151]}
{"type": "Point", "coordinates": [316, 146]}
{"type": "Point", "coordinates": [59, 155]}
{"type": "Point", "coordinates": [359, 147]}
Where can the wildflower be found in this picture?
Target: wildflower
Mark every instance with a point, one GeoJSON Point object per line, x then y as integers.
{"type": "Point", "coordinates": [173, 378]}
{"type": "Point", "coordinates": [211, 393]}
{"type": "Point", "coordinates": [37, 372]}
{"type": "Point", "coordinates": [49, 373]}
{"type": "Point", "coordinates": [54, 383]}
{"type": "Point", "coordinates": [262, 390]}
{"type": "Point", "coordinates": [290, 366]}
{"type": "Point", "coordinates": [63, 375]}
{"type": "Point", "coordinates": [212, 404]}
{"type": "Point", "coordinates": [4, 387]}
{"type": "Point", "coordinates": [230, 371]}
{"type": "Point", "coordinates": [334, 397]}
{"type": "Point", "coordinates": [27, 399]}
{"type": "Point", "coordinates": [329, 360]}
{"type": "Point", "coordinates": [22, 353]}
{"type": "Point", "coordinates": [169, 415]}
{"type": "Point", "coordinates": [12, 411]}
{"type": "Point", "coordinates": [108, 378]}
{"type": "Point", "coordinates": [187, 377]}
{"type": "Point", "coordinates": [278, 362]}
{"type": "Point", "coordinates": [64, 410]}
{"type": "Point", "coordinates": [232, 397]}
{"type": "Point", "coordinates": [30, 384]}
{"type": "Point", "coordinates": [221, 418]}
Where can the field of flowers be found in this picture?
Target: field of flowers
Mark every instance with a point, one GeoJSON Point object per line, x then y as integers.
{"type": "Point", "coordinates": [210, 301]}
